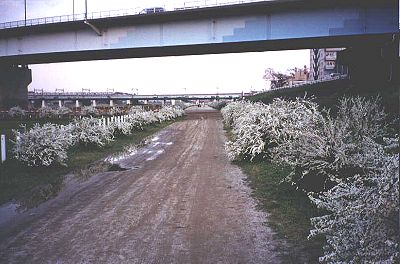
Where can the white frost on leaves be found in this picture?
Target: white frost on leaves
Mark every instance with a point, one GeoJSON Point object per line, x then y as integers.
{"type": "Point", "coordinates": [350, 149]}
{"type": "Point", "coordinates": [44, 145]}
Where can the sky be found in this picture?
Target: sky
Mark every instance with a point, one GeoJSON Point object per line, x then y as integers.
{"type": "Point", "coordinates": [183, 74]}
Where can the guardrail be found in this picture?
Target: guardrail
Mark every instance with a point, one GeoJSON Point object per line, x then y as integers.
{"type": "Point", "coordinates": [117, 13]}
{"type": "Point", "coordinates": [340, 77]}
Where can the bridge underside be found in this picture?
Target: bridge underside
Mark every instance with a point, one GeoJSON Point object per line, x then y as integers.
{"type": "Point", "coordinates": [201, 49]}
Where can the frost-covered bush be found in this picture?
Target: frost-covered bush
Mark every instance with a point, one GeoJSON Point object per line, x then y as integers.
{"type": "Point", "coordinates": [43, 145]}
{"type": "Point", "coordinates": [168, 113]}
{"type": "Point", "coordinates": [135, 109]}
{"type": "Point", "coordinates": [333, 148]}
{"type": "Point", "coordinates": [362, 117]}
{"type": "Point", "coordinates": [124, 127]}
{"type": "Point", "coordinates": [115, 111]}
{"type": "Point", "coordinates": [350, 151]}
{"type": "Point", "coordinates": [258, 128]}
{"type": "Point", "coordinates": [362, 226]}
{"type": "Point", "coordinates": [47, 112]}
{"type": "Point", "coordinates": [217, 104]}
{"type": "Point", "coordinates": [87, 131]}
{"type": "Point", "coordinates": [63, 111]}
{"type": "Point", "coordinates": [47, 144]}
{"type": "Point", "coordinates": [89, 111]}
{"type": "Point", "coordinates": [235, 109]}
{"type": "Point", "coordinates": [16, 111]}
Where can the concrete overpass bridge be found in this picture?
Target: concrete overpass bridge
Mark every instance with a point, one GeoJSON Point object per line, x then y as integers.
{"type": "Point", "coordinates": [94, 98]}
{"type": "Point", "coordinates": [257, 26]}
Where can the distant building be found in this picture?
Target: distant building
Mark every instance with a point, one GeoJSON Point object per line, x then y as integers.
{"type": "Point", "coordinates": [323, 63]}
{"type": "Point", "coordinates": [300, 75]}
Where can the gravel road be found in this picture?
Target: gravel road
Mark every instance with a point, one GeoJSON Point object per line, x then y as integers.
{"type": "Point", "coordinates": [179, 201]}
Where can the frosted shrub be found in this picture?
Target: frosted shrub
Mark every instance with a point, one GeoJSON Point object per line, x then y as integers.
{"type": "Point", "coordinates": [334, 148]}
{"type": "Point", "coordinates": [43, 145]}
{"type": "Point", "coordinates": [124, 127]}
{"type": "Point", "coordinates": [258, 128]}
{"type": "Point", "coordinates": [217, 104]}
{"type": "Point", "coordinates": [63, 111]}
{"type": "Point", "coordinates": [349, 155]}
{"type": "Point", "coordinates": [135, 109]}
{"type": "Point", "coordinates": [233, 110]}
{"type": "Point", "coordinates": [362, 117]}
{"type": "Point", "coordinates": [89, 111]}
{"type": "Point", "coordinates": [362, 226]}
{"type": "Point", "coordinates": [168, 113]}
{"type": "Point", "coordinates": [47, 112]}
{"type": "Point", "coordinates": [115, 111]}
{"type": "Point", "coordinates": [16, 111]}
{"type": "Point", "coordinates": [137, 121]}
{"type": "Point", "coordinates": [88, 132]}
{"type": "Point", "coordinates": [148, 117]}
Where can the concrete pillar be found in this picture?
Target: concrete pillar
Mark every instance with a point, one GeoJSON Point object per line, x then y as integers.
{"type": "Point", "coordinates": [172, 101]}
{"type": "Point", "coordinates": [43, 103]}
{"type": "Point", "coordinates": [76, 103]}
{"type": "Point", "coordinates": [111, 103]}
{"type": "Point", "coordinates": [60, 103]}
{"type": "Point", "coordinates": [128, 102]}
{"type": "Point", "coordinates": [145, 102]}
{"type": "Point", "coordinates": [14, 81]}
{"type": "Point", "coordinates": [94, 103]}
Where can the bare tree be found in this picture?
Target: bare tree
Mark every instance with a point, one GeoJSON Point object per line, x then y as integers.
{"type": "Point", "coordinates": [277, 79]}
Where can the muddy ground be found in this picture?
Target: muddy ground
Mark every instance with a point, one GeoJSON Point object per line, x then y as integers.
{"type": "Point", "coordinates": [179, 200]}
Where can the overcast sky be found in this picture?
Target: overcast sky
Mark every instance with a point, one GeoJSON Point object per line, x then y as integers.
{"type": "Point", "coordinates": [193, 74]}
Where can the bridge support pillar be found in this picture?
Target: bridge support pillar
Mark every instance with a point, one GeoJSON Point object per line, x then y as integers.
{"type": "Point", "coordinates": [14, 81]}
{"type": "Point", "coordinates": [43, 103]}
{"type": "Point", "coordinates": [128, 102]}
{"type": "Point", "coordinates": [94, 103]}
{"type": "Point", "coordinates": [76, 103]}
{"type": "Point", "coordinates": [60, 103]}
{"type": "Point", "coordinates": [145, 102]}
{"type": "Point", "coordinates": [111, 103]}
{"type": "Point", "coordinates": [172, 102]}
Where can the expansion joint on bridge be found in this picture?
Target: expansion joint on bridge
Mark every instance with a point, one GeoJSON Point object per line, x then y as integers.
{"type": "Point", "coordinates": [95, 29]}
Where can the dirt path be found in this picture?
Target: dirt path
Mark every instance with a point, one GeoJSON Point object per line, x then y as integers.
{"type": "Point", "coordinates": [181, 202]}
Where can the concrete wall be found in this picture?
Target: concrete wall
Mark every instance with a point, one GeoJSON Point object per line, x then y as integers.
{"type": "Point", "coordinates": [14, 83]}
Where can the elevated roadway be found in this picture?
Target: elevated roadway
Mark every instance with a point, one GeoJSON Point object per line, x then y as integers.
{"type": "Point", "coordinates": [257, 26]}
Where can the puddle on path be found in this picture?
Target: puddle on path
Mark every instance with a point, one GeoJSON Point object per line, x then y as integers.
{"type": "Point", "coordinates": [132, 157]}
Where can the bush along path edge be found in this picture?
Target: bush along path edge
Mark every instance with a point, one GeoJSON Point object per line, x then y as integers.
{"type": "Point", "coordinates": [19, 181]}
{"type": "Point", "coordinates": [346, 163]}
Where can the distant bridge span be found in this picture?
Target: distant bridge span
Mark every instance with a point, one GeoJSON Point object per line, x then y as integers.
{"type": "Point", "coordinates": [111, 97]}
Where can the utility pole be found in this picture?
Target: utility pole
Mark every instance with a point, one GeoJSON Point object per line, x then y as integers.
{"type": "Point", "coordinates": [25, 10]}
{"type": "Point", "coordinates": [85, 9]}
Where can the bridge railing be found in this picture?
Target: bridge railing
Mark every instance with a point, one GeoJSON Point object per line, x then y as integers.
{"type": "Point", "coordinates": [340, 77]}
{"type": "Point", "coordinates": [117, 13]}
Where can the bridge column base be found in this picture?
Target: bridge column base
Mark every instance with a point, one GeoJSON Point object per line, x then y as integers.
{"type": "Point", "coordinates": [14, 81]}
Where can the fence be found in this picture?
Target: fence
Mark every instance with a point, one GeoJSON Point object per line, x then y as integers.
{"type": "Point", "coordinates": [117, 13]}
{"type": "Point", "coordinates": [3, 155]}
{"type": "Point", "coordinates": [288, 87]}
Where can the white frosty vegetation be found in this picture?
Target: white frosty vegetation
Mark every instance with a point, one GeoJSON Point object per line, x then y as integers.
{"type": "Point", "coordinates": [89, 111]}
{"type": "Point", "coordinates": [16, 111]}
{"type": "Point", "coordinates": [87, 131]}
{"type": "Point", "coordinates": [48, 144]}
{"type": "Point", "coordinates": [43, 145]}
{"type": "Point", "coordinates": [347, 154]}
